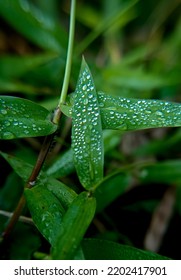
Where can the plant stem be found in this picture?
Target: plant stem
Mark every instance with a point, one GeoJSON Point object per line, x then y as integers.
{"type": "Point", "coordinates": [21, 218]}
{"type": "Point", "coordinates": [30, 183]}
{"type": "Point", "coordinates": [69, 54]}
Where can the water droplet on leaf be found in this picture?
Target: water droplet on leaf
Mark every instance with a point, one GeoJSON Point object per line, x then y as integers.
{"type": "Point", "coordinates": [8, 135]}
{"type": "Point", "coordinates": [3, 111]}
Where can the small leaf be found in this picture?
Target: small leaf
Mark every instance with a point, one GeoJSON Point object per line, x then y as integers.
{"type": "Point", "coordinates": [87, 142]}
{"type": "Point", "coordinates": [23, 118]}
{"type": "Point", "coordinates": [67, 107]}
{"type": "Point", "coordinates": [46, 211]}
{"type": "Point", "coordinates": [133, 114]}
{"type": "Point", "coordinates": [64, 194]}
{"type": "Point", "coordinates": [74, 225]}
{"type": "Point", "coordinates": [108, 250]}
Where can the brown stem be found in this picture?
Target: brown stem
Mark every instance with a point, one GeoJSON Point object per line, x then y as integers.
{"type": "Point", "coordinates": [14, 218]}
{"type": "Point", "coordinates": [40, 160]}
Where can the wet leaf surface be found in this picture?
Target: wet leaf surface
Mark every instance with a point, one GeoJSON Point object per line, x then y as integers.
{"type": "Point", "coordinates": [87, 141]}
{"type": "Point", "coordinates": [23, 118]}
{"type": "Point", "coordinates": [133, 114]}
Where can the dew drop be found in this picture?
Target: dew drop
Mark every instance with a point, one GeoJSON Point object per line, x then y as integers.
{"type": "Point", "coordinates": [3, 111]}
{"type": "Point", "coordinates": [90, 95]}
{"type": "Point", "coordinates": [8, 135]}
{"type": "Point", "coordinates": [101, 105]}
{"type": "Point", "coordinates": [84, 87]}
{"type": "Point", "coordinates": [122, 126]}
{"type": "Point", "coordinates": [7, 123]}
{"type": "Point", "coordinates": [148, 112]}
{"type": "Point", "coordinates": [144, 173]}
{"type": "Point", "coordinates": [159, 113]}
{"type": "Point", "coordinates": [85, 101]}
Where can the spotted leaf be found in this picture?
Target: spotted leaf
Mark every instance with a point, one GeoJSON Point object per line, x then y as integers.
{"type": "Point", "coordinates": [87, 142]}
{"type": "Point", "coordinates": [23, 118]}
{"type": "Point", "coordinates": [133, 114]}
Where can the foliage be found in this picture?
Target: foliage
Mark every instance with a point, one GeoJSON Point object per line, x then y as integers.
{"type": "Point", "coordinates": [114, 168]}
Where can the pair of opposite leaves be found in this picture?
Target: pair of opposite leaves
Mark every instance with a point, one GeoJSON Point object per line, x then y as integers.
{"type": "Point", "coordinates": [91, 111]}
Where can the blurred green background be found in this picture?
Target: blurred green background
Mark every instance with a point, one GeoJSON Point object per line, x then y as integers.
{"type": "Point", "coordinates": [133, 49]}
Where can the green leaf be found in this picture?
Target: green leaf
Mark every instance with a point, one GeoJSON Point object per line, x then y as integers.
{"type": "Point", "coordinates": [34, 24]}
{"type": "Point", "coordinates": [64, 194]}
{"type": "Point", "coordinates": [62, 166]}
{"type": "Point", "coordinates": [167, 172]}
{"type": "Point", "coordinates": [133, 114]}
{"type": "Point", "coordinates": [74, 225]}
{"type": "Point", "coordinates": [87, 142]}
{"type": "Point", "coordinates": [46, 201]}
{"type": "Point", "coordinates": [46, 211]}
{"type": "Point", "coordinates": [110, 188]}
{"type": "Point", "coordinates": [23, 118]}
{"type": "Point", "coordinates": [108, 250]}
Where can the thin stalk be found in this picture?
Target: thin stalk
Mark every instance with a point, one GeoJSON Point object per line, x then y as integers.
{"type": "Point", "coordinates": [69, 55]}
{"type": "Point", "coordinates": [22, 219]}
{"type": "Point", "coordinates": [30, 183]}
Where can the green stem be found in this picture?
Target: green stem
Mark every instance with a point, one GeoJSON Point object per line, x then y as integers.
{"type": "Point", "coordinates": [69, 55]}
